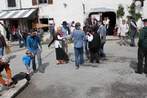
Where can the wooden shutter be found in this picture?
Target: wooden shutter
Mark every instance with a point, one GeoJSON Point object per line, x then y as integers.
{"type": "Point", "coordinates": [50, 1]}
{"type": "Point", "coordinates": [34, 2]}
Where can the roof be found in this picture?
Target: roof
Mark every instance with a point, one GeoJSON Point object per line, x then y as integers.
{"type": "Point", "coordinates": [16, 13]}
{"type": "Point", "coordinates": [101, 9]}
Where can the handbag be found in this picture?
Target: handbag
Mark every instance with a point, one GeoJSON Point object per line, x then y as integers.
{"type": "Point", "coordinates": [8, 50]}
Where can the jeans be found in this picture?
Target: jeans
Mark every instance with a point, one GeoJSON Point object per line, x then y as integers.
{"type": "Point", "coordinates": [86, 49]}
{"type": "Point", "coordinates": [79, 57]}
{"type": "Point", "coordinates": [102, 54]}
{"type": "Point", "coordinates": [28, 67]}
{"type": "Point", "coordinates": [37, 54]}
{"type": "Point", "coordinates": [1, 51]}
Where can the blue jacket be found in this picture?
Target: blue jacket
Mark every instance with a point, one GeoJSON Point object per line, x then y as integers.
{"type": "Point", "coordinates": [26, 59]}
{"type": "Point", "coordinates": [33, 43]}
{"type": "Point", "coordinates": [78, 38]}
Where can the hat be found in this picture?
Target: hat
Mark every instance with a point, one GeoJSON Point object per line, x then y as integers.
{"type": "Point", "coordinates": [144, 20]}
{"type": "Point", "coordinates": [77, 24]}
{"type": "Point", "coordinates": [64, 23]}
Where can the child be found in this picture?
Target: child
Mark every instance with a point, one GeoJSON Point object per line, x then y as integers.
{"type": "Point", "coordinates": [27, 60]}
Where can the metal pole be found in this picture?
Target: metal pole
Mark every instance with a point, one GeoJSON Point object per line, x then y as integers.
{"type": "Point", "coordinates": [83, 8]}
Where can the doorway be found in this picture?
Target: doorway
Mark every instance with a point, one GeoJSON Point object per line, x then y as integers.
{"type": "Point", "coordinates": [112, 22]}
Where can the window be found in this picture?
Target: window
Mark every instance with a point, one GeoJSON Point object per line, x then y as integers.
{"type": "Point", "coordinates": [35, 2]}
{"type": "Point", "coordinates": [42, 1]}
{"type": "Point", "coordinates": [50, 1]}
{"type": "Point", "coordinates": [11, 3]}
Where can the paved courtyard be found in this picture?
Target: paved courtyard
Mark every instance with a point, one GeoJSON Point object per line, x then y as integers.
{"type": "Point", "coordinates": [112, 78]}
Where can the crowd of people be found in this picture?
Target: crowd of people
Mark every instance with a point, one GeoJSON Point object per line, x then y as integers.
{"type": "Point", "coordinates": [90, 40]}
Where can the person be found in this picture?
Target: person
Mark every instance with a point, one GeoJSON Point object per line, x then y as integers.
{"type": "Point", "coordinates": [142, 49]}
{"type": "Point", "coordinates": [85, 29]}
{"type": "Point", "coordinates": [20, 38]}
{"type": "Point", "coordinates": [52, 26]}
{"type": "Point", "coordinates": [6, 27]}
{"type": "Point", "coordinates": [61, 55]}
{"type": "Point", "coordinates": [25, 34]}
{"type": "Point", "coordinates": [72, 26]}
{"type": "Point", "coordinates": [102, 31]}
{"type": "Point", "coordinates": [106, 22]}
{"type": "Point", "coordinates": [94, 45]}
{"type": "Point", "coordinates": [27, 60]}
{"type": "Point", "coordinates": [2, 44]}
{"type": "Point", "coordinates": [34, 46]}
{"type": "Point", "coordinates": [133, 31]}
{"type": "Point", "coordinates": [4, 65]}
{"type": "Point", "coordinates": [123, 29]}
{"type": "Point", "coordinates": [78, 37]}
{"type": "Point", "coordinates": [66, 32]}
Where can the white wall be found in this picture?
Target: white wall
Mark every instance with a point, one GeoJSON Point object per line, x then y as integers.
{"type": "Point", "coordinates": [145, 9]}
{"type": "Point", "coordinates": [2, 4]}
{"type": "Point", "coordinates": [26, 3]}
{"type": "Point", "coordinates": [73, 11]}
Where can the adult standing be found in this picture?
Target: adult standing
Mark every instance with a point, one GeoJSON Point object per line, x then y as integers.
{"type": "Point", "coordinates": [94, 45]}
{"type": "Point", "coordinates": [34, 46]}
{"type": "Point", "coordinates": [2, 44]}
{"type": "Point", "coordinates": [52, 26]}
{"type": "Point", "coordinates": [123, 29]}
{"type": "Point", "coordinates": [20, 37]}
{"type": "Point", "coordinates": [66, 32]}
{"type": "Point", "coordinates": [61, 55]}
{"type": "Point", "coordinates": [102, 31]}
{"type": "Point", "coordinates": [133, 31]}
{"type": "Point", "coordinates": [142, 50]}
{"type": "Point", "coordinates": [78, 37]}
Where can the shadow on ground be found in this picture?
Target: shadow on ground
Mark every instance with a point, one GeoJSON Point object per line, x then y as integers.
{"type": "Point", "coordinates": [119, 59]}
{"type": "Point", "coordinates": [43, 67]}
{"type": "Point", "coordinates": [90, 65]}
{"type": "Point", "coordinates": [122, 90]}
{"type": "Point", "coordinates": [51, 91]}
{"type": "Point", "coordinates": [12, 57]}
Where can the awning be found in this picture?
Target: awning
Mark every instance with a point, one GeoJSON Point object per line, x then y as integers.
{"type": "Point", "coordinates": [16, 14]}
{"type": "Point", "coordinates": [101, 10]}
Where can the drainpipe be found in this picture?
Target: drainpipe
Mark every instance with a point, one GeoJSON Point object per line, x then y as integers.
{"type": "Point", "coordinates": [20, 4]}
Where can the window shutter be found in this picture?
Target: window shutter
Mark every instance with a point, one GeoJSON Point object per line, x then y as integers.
{"type": "Point", "coordinates": [34, 2]}
{"type": "Point", "coordinates": [50, 1]}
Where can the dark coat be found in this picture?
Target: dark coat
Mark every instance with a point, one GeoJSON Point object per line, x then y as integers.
{"type": "Point", "coordinates": [2, 41]}
{"type": "Point", "coordinates": [95, 43]}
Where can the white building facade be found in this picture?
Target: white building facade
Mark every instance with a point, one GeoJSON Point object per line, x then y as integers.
{"type": "Point", "coordinates": [69, 10]}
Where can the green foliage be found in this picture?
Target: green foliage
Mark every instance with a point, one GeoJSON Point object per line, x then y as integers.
{"type": "Point", "coordinates": [120, 11]}
{"type": "Point", "coordinates": [133, 13]}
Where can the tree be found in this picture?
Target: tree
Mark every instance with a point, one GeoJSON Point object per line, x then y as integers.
{"type": "Point", "coordinates": [120, 11]}
{"type": "Point", "coordinates": [132, 11]}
